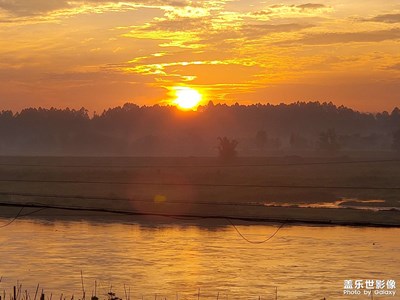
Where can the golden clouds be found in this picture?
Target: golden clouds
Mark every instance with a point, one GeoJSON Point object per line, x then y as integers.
{"type": "Point", "coordinates": [348, 37]}
{"type": "Point", "coordinates": [244, 49]}
{"type": "Point", "coordinates": [281, 11]}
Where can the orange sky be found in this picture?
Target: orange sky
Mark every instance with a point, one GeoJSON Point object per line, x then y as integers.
{"type": "Point", "coordinates": [100, 53]}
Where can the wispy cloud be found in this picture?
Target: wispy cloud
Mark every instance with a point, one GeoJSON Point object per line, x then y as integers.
{"type": "Point", "coordinates": [40, 7]}
{"type": "Point", "coordinates": [311, 6]}
{"type": "Point", "coordinates": [32, 7]}
{"type": "Point", "coordinates": [395, 67]}
{"type": "Point", "coordinates": [256, 30]}
{"type": "Point", "coordinates": [346, 37]}
{"type": "Point", "coordinates": [178, 24]}
{"type": "Point", "coordinates": [386, 18]}
{"type": "Point", "coordinates": [290, 11]}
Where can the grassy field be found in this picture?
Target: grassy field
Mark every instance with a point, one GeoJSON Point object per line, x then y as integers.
{"type": "Point", "coordinates": [166, 184]}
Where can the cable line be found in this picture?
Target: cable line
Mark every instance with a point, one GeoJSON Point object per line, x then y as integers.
{"type": "Point", "coordinates": [14, 219]}
{"type": "Point", "coordinates": [194, 216]}
{"type": "Point", "coordinates": [147, 183]}
{"type": "Point", "coordinates": [256, 242]}
{"type": "Point", "coordinates": [57, 196]}
{"type": "Point", "coordinates": [171, 216]}
{"type": "Point", "coordinates": [203, 166]}
{"type": "Point", "coordinates": [43, 206]}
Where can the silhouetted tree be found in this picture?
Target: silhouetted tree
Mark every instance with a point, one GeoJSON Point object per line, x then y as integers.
{"type": "Point", "coordinates": [227, 148]}
{"type": "Point", "coordinates": [328, 141]}
{"type": "Point", "coordinates": [395, 117]}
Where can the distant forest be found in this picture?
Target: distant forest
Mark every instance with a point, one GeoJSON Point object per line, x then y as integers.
{"type": "Point", "coordinates": [258, 130]}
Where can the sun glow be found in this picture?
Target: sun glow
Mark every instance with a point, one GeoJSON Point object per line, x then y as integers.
{"type": "Point", "coordinates": [187, 98]}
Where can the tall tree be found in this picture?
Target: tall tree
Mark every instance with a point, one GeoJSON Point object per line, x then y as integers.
{"type": "Point", "coordinates": [227, 148]}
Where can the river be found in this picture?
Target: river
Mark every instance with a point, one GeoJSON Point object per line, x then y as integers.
{"type": "Point", "coordinates": [179, 260]}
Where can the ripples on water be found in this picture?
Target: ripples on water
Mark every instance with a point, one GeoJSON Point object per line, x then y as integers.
{"type": "Point", "coordinates": [304, 262]}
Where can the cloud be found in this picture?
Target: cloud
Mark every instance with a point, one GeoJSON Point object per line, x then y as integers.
{"type": "Point", "coordinates": [32, 7]}
{"type": "Point", "coordinates": [178, 24]}
{"type": "Point", "coordinates": [386, 18]}
{"type": "Point", "coordinates": [346, 37]}
{"type": "Point", "coordinates": [395, 67]}
{"type": "Point", "coordinates": [283, 10]}
{"type": "Point", "coordinates": [216, 73]}
{"type": "Point", "coordinates": [229, 38]}
{"type": "Point", "coordinates": [311, 6]}
{"type": "Point", "coordinates": [205, 27]}
{"type": "Point", "coordinates": [39, 7]}
{"type": "Point", "coordinates": [256, 30]}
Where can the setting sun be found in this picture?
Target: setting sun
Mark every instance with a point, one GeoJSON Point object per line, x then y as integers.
{"type": "Point", "coordinates": [187, 98]}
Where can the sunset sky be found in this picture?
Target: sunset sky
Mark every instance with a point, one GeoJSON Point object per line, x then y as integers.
{"type": "Point", "coordinates": [101, 53]}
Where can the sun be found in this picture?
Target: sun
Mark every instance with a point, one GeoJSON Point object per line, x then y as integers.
{"type": "Point", "coordinates": [187, 98]}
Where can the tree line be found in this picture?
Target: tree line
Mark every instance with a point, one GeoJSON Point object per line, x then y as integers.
{"type": "Point", "coordinates": [164, 130]}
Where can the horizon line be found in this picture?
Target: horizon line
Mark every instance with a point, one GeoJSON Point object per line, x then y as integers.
{"type": "Point", "coordinates": [204, 105]}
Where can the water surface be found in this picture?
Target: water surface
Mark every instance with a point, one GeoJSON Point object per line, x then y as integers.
{"type": "Point", "coordinates": [175, 260]}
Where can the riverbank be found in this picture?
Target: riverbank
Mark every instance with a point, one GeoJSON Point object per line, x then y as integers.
{"type": "Point", "coordinates": [170, 213]}
{"type": "Point", "coordinates": [360, 190]}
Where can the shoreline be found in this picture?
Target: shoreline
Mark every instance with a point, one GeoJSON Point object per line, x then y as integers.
{"type": "Point", "coordinates": [271, 214]}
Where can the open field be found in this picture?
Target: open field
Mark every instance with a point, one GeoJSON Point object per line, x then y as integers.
{"type": "Point", "coordinates": [249, 187]}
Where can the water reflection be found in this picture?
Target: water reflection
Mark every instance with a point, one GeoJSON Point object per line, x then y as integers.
{"type": "Point", "coordinates": [165, 259]}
